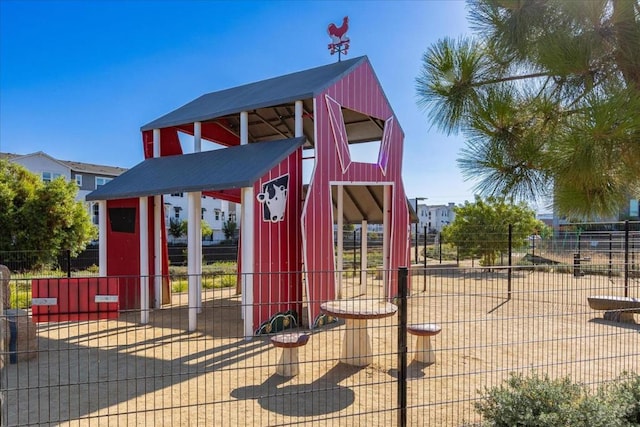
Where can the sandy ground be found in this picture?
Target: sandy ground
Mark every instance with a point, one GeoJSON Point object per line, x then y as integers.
{"type": "Point", "coordinates": [118, 372]}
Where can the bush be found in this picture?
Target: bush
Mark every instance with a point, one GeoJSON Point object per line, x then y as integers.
{"type": "Point", "coordinates": [626, 392]}
{"type": "Point", "coordinates": [540, 401]}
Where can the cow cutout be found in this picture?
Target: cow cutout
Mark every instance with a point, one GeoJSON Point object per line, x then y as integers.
{"type": "Point", "coordinates": [274, 199]}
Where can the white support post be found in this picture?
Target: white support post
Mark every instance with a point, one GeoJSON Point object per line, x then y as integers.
{"type": "Point", "coordinates": [157, 250]}
{"type": "Point", "coordinates": [197, 147]}
{"type": "Point", "coordinates": [197, 137]}
{"type": "Point", "coordinates": [298, 119]}
{"type": "Point", "coordinates": [158, 212]}
{"type": "Point", "coordinates": [246, 234]}
{"type": "Point", "coordinates": [144, 260]}
{"type": "Point", "coordinates": [247, 260]}
{"type": "Point", "coordinates": [386, 235]}
{"type": "Point", "coordinates": [102, 238]}
{"type": "Point", "coordinates": [363, 257]}
{"type": "Point", "coordinates": [191, 261]}
{"type": "Point", "coordinates": [197, 235]}
{"type": "Point", "coordinates": [244, 128]}
{"type": "Point", "coordinates": [340, 242]}
{"type": "Point", "coordinates": [156, 143]}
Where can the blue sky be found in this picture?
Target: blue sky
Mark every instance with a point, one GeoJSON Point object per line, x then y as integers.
{"type": "Point", "coordinates": [79, 78]}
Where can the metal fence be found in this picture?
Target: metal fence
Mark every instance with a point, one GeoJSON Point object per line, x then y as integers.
{"type": "Point", "coordinates": [492, 321]}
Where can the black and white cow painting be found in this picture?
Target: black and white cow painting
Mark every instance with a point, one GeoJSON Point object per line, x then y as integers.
{"type": "Point", "coordinates": [274, 199]}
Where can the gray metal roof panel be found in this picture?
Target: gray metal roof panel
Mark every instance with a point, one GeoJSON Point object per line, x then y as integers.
{"type": "Point", "coordinates": [266, 93]}
{"type": "Point", "coordinates": [227, 168]}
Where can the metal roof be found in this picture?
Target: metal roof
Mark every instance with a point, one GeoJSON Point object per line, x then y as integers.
{"type": "Point", "coordinates": [227, 168]}
{"type": "Point", "coordinates": [364, 202]}
{"type": "Point", "coordinates": [266, 93]}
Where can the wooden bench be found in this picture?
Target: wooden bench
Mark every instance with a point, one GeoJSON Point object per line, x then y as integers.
{"type": "Point", "coordinates": [617, 309]}
{"type": "Point", "coordinates": [424, 331]}
{"type": "Point", "coordinates": [289, 343]}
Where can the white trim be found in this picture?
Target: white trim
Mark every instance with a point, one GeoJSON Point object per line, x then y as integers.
{"type": "Point", "coordinates": [386, 242]}
{"type": "Point", "coordinates": [303, 217]}
{"type": "Point", "coordinates": [105, 298]}
{"type": "Point", "coordinates": [339, 258]}
{"type": "Point", "coordinates": [44, 301]}
{"type": "Point", "coordinates": [388, 133]}
{"type": "Point", "coordinates": [95, 180]}
{"type": "Point", "coordinates": [343, 162]}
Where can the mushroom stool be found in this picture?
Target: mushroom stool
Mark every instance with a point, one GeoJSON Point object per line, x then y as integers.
{"type": "Point", "coordinates": [289, 343]}
{"type": "Point", "coordinates": [424, 331]}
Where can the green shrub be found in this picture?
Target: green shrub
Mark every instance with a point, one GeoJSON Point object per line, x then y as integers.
{"type": "Point", "coordinates": [217, 281]}
{"type": "Point", "coordinates": [179, 285]}
{"type": "Point", "coordinates": [93, 269]}
{"type": "Point", "coordinates": [625, 391]}
{"type": "Point", "coordinates": [20, 294]}
{"type": "Point", "coordinates": [540, 401]}
{"type": "Point", "coordinates": [228, 280]}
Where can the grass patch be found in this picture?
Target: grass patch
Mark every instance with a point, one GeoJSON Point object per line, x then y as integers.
{"type": "Point", "coordinates": [214, 276]}
{"type": "Point", "coordinates": [20, 294]}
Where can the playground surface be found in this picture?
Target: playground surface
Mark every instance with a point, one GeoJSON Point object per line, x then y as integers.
{"type": "Point", "coordinates": [118, 372]}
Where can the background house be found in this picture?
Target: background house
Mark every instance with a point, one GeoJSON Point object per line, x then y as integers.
{"type": "Point", "coordinates": [90, 176]}
{"type": "Point", "coordinates": [214, 212]}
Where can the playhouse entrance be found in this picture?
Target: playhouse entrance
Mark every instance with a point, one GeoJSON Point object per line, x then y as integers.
{"type": "Point", "coordinates": [360, 211]}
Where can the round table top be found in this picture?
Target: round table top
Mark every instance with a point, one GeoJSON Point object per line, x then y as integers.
{"type": "Point", "coordinates": [359, 308]}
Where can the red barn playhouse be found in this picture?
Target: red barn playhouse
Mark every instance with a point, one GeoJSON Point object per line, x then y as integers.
{"type": "Point", "coordinates": [286, 227]}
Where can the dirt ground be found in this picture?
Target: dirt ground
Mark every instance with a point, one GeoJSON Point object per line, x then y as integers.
{"type": "Point", "coordinates": [118, 372]}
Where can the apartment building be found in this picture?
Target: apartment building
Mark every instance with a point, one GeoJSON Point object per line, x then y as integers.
{"type": "Point", "coordinates": [433, 217]}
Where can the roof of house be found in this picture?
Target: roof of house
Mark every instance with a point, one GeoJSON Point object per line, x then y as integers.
{"type": "Point", "coordinates": [223, 169]}
{"type": "Point", "coordinates": [266, 93]}
{"type": "Point", "coordinates": [8, 156]}
{"type": "Point", "coordinates": [94, 169]}
{"type": "Point", "coordinates": [77, 167]}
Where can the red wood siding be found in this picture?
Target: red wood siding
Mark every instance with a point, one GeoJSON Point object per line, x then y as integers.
{"type": "Point", "coordinates": [277, 283]}
{"type": "Point", "coordinates": [358, 91]}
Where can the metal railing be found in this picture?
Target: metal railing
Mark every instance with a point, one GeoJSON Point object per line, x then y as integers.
{"type": "Point", "coordinates": [493, 321]}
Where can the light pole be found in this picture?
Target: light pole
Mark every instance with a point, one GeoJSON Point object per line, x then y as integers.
{"type": "Point", "coordinates": [417, 224]}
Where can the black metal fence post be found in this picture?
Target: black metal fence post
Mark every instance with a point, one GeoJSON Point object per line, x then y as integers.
{"type": "Point", "coordinates": [626, 258]}
{"type": "Point", "coordinates": [402, 346]}
{"type": "Point", "coordinates": [509, 262]}
{"type": "Point", "coordinates": [424, 265]}
{"type": "Point", "coordinates": [610, 255]}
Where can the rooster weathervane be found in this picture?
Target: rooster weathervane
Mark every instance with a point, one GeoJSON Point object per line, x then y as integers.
{"type": "Point", "coordinates": [339, 40]}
